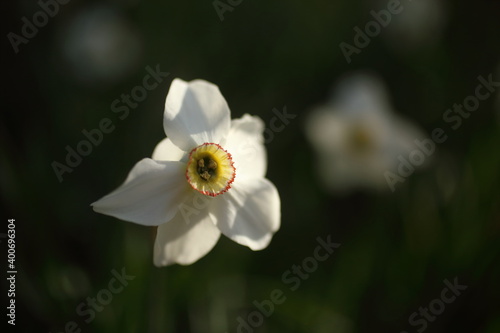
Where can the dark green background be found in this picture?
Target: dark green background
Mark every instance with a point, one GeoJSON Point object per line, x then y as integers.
{"type": "Point", "coordinates": [397, 248]}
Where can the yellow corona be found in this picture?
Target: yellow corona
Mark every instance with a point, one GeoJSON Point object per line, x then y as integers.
{"type": "Point", "coordinates": [210, 169]}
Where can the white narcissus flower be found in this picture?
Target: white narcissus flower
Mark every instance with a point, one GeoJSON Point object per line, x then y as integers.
{"type": "Point", "coordinates": [206, 178]}
{"type": "Point", "coordinates": [357, 136]}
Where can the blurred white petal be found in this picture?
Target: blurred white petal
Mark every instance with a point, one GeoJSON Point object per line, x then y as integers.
{"type": "Point", "coordinates": [100, 46]}
{"type": "Point", "coordinates": [420, 23]}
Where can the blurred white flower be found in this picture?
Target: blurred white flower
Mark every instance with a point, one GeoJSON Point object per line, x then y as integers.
{"type": "Point", "coordinates": [357, 137]}
{"type": "Point", "coordinates": [100, 45]}
{"type": "Point", "coordinates": [421, 23]}
{"type": "Point", "coordinates": [205, 178]}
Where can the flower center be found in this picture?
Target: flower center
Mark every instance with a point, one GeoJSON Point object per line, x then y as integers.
{"type": "Point", "coordinates": [207, 168]}
{"type": "Point", "coordinates": [210, 169]}
{"type": "Point", "coordinates": [360, 139]}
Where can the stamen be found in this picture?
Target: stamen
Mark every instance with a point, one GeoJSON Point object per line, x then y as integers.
{"type": "Point", "coordinates": [210, 169]}
{"type": "Point", "coordinates": [207, 168]}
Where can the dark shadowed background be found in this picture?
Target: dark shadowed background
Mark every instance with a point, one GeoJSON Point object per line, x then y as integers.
{"type": "Point", "coordinates": [397, 248]}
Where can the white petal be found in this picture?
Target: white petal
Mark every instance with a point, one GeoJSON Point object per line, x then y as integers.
{"type": "Point", "coordinates": [249, 213]}
{"type": "Point", "coordinates": [185, 240]}
{"type": "Point", "coordinates": [195, 113]}
{"type": "Point", "coordinates": [245, 143]}
{"type": "Point", "coordinates": [360, 94]}
{"type": "Point", "coordinates": [151, 194]}
{"type": "Point", "coordinates": [326, 129]}
{"type": "Point", "coordinates": [167, 151]}
{"type": "Point", "coordinates": [404, 133]}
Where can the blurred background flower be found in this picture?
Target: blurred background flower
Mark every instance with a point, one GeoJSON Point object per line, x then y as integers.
{"type": "Point", "coordinates": [99, 45]}
{"type": "Point", "coordinates": [420, 25]}
{"type": "Point", "coordinates": [357, 135]}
